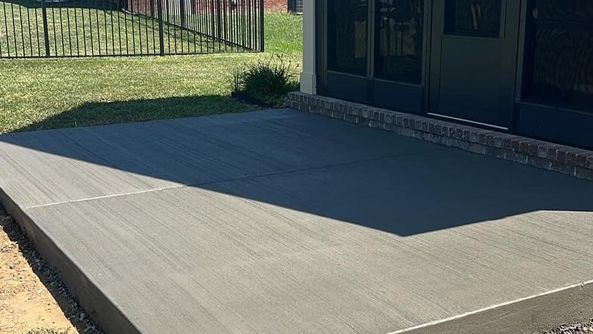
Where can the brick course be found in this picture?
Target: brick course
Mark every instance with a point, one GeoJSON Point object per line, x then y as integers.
{"type": "Point", "coordinates": [540, 154]}
{"type": "Point", "coordinates": [276, 5]}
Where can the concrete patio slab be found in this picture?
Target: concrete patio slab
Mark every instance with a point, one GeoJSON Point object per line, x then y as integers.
{"type": "Point", "coordinates": [282, 222]}
{"type": "Point", "coordinates": [105, 161]}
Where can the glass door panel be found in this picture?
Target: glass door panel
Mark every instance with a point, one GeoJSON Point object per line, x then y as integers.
{"type": "Point", "coordinates": [348, 24]}
{"type": "Point", "coordinates": [375, 52]}
{"type": "Point", "coordinates": [480, 18]}
{"type": "Point", "coordinates": [399, 36]}
{"type": "Point", "coordinates": [558, 67]}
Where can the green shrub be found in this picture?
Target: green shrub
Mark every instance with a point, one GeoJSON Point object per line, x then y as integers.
{"type": "Point", "coordinates": [266, 82]}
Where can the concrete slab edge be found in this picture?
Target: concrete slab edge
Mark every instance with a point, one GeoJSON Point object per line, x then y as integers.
{"type": "Point", "coordinates": [103, 310]}
{"type": "Point", "coordinates": [534, 314]}
{"type": "Point", "coordinates": [558, 158]}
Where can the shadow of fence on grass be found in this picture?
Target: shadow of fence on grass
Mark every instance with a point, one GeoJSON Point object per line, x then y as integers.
{"type": "Point", "coordinates": [102, 113]}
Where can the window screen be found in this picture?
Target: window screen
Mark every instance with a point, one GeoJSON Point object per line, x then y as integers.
{"type": "Point", "coordinates": [480, 18]}
{"type": "Point", "coordinates": [399, 40]}
{"type": "Point", "coordinates": [347, 36]}
{"type": "Point", "coordinates": [559, 53]}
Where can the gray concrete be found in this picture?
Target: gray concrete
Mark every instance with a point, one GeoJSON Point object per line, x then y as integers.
{"type": "Point", "coordinates": [282, 222]}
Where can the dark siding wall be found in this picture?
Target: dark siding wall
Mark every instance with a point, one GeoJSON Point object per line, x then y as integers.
{"type": "Point", "coordinates": [295, 6]}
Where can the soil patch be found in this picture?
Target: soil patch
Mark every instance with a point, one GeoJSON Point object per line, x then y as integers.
{"type": "Point", "coordinates": [574, 329]}
{"type": "Point", "coordinates": [33, 298]}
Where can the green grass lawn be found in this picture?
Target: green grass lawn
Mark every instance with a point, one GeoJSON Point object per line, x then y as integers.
{"type": "Point", "coordinates": [41, 94]}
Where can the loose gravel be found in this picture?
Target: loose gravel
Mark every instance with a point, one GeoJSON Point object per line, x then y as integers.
{"type": "Point", "coordinates": [574, 329]}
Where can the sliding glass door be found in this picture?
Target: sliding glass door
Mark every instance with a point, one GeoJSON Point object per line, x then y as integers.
{"type": "Point", "coordinates": [373, 52]}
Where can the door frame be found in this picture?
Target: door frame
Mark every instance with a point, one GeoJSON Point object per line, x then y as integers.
{"type": "Point", "coordinates": [434, 56]}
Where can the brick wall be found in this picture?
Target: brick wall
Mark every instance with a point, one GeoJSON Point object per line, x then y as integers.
{"type": "Point", "coordinates": [276, 5]}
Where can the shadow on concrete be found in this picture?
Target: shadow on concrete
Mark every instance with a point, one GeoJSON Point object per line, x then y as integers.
{"type": "Point", "coordinates": [410, 195]}
{"type": "Point", "coordinates": [309, 164]}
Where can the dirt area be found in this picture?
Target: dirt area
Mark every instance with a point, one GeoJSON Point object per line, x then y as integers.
{"type": "Point", "coordinates": [32, 297]}
{"type": "Point", "coordinates": [574, 329]}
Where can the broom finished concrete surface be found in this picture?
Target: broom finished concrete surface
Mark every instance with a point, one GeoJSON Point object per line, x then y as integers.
{"type": "Point", "coordinates": [283, 222]}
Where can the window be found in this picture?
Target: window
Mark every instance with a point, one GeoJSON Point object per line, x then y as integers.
{"type": "Point", "coordinates": [347, 36]}
{"type": "Point", "coordinates": [480, 18]}
{"type": "Point", "coordinates": [399, 40]}
{"type": "Point", "coordinates": [559, 54]}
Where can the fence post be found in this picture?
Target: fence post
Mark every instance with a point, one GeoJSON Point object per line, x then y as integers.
{"type": "Point", "coordinates": [45, 30]}
{"type": "Point", "coordinates": [261, 26]}
{"type": "Point", "coordinates": [182, 13]}
{"type": "Point", "coordinates": [159, 5]}
{"type": "Point", "coordinates": [218, 15]}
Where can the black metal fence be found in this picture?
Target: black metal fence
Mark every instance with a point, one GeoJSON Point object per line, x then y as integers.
{"type": "Point", "coordinates": [79, 28]}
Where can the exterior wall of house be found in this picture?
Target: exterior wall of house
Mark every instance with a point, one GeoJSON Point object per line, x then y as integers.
{"type": "Point", "coordinates": [456, 60]}
{"type": "Point", "coordinates": [295, 6]}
